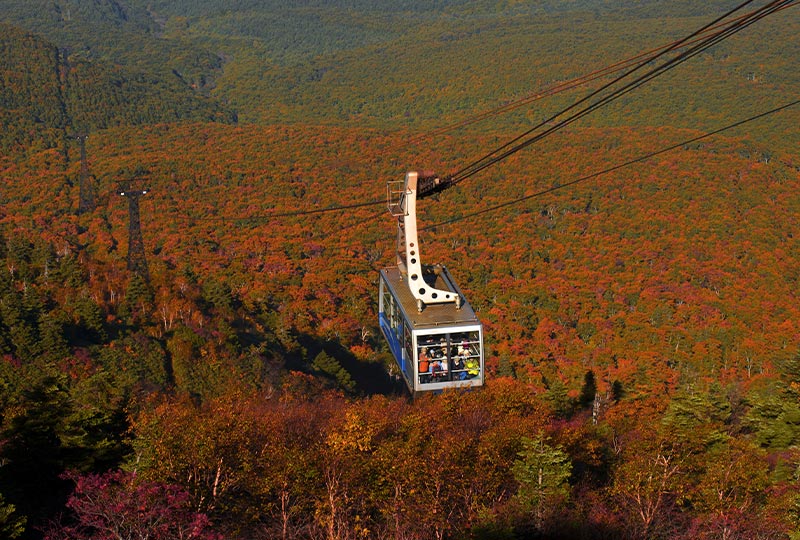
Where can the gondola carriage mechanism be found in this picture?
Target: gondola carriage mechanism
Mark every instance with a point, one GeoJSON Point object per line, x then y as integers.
{"type": "Point", "coordinates": [432, 331]}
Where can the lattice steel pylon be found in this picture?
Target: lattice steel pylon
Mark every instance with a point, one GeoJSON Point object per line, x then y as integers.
{"type": "Point", "coordinates": [86, 195]}
{"type": "Point", "coordinates": [137, 263]}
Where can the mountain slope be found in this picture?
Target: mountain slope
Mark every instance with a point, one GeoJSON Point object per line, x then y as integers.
{"type": "Point", "coordinates": [44, 97]}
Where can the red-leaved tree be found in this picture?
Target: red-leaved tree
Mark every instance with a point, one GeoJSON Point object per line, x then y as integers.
{"type": "Point", "coordinates": [116, 506]}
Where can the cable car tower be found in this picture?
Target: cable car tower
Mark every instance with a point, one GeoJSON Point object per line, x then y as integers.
{"type": "Point", "coordinates": [432, 331]}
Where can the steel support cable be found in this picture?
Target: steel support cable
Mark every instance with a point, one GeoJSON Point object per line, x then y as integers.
{"type": "Point", "coordinates": [564, 86]}
{"type": "Point", "coordinates": [476, 166]}
{"type": "Point", "coordinates": [294, 213]}
{"type": "Point", "coordinates": [493, 157]}
{"type": "Point", "coordinates": [322, 210]}
{"type": "Point", "coordinates": [620, 92]}
{"type": "Point", "coordinates": [610, 169]}
{"type": "Point", "coordinates": [753, 17]}
{"type": "Point", "coordinates": [372, 217]}
{"type": "Point", "coordinates": [580, 180]}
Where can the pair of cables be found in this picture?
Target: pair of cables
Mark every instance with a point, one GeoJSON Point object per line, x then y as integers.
{"type": "Point", "coordinates": [635, 67]}
{"type": "Point", "coordinates": [564, 86]}
{"type": "Point", "coordinates": [638, 70]}
{"type": "Point", "coordinates": [692, 45]}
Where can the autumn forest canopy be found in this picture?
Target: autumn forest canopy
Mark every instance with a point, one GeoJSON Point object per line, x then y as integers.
{"type": "Point", "coordinates": [226, 376]}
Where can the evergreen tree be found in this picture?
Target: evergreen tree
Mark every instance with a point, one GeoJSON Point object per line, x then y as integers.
{"type": "Point", "coordinates": [542, 472]}
{"type": "Point", "coordinates": [90, 318]}
{"type": "Point", "coordinates": [506, 368]}
{"type": "Point", "coordinates": [694, 410]}
{"type": "Point", "coordinates": [558, 398]}
{"type": "Point", "coordinates": [330, 366]}
{"type": "Point", "coordinates": [774, 415]}
{"type": "Point", "coordinates": [39, 447]}
{"type": "Point", "coordinates": [218, 294]}
{"type": "Point", "coordinates": [70, 272]}
{"type": "Point", "coordinates": [20, 331]}
{"type": "Point", "coordinates": [51, 330]}
{"type": "Point", "coordinates": [138, 298]}
{"type": "Point", "coordinates": [588, 390]}
{"type": "Point", "coordinates": [12, 525]}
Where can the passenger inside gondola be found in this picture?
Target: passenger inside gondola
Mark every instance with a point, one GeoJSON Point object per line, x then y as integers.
{"type": "Point", "coordinates": [424, 360]}
{"type": "Point", "coordinates": [473, 368]}
{"type": "Point", "coordinates": [436, 369]}
{"type": "Point", "coordinates": [459, 372]}
{"type": "Point", "coordinates": [424, 366]}
{"type": "Point", "coordinates": [444, 372]}
{"type": "Point", "coordinates": [448, 358]}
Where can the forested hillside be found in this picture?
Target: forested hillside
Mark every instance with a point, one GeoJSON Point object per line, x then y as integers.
{"type": "Point", "coordinates": [423, 64]}
{"type": "Point", "coordinates": [48, 95]}
{"type": "Point", "coordinates": [642, 335]}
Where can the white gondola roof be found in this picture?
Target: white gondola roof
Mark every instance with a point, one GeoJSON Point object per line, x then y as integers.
{"type": "Point", "coordinates": [434, 315]}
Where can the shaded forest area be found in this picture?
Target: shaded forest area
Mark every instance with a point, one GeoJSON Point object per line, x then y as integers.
{"type": "Point", "coordinates": [643, 344]}
{"type": "Point", "coordinates": [48, 96]}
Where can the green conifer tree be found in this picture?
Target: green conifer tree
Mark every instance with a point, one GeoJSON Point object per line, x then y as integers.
{"type": "Point", "coordinates": [12, 525]}
{"type": "Point", "coordinates": [330, 366]}
{"type": "Point", "coordinates": [542, 472]}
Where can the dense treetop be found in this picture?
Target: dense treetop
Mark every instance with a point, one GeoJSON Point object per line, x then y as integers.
{"type": "Point", "coordinates": [422, 64]}
{"type": "Point", "coordinates": [642, 329]}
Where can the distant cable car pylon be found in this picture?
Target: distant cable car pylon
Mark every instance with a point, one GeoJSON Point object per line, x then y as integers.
{"type": "Point", "coordinates": [137, 263]}
{"type": "Point", "coordinates": [86, 202]}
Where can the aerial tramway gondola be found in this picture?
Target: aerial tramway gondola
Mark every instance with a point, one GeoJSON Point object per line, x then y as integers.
{"type": "Point", "coordinates": [432, 331]}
